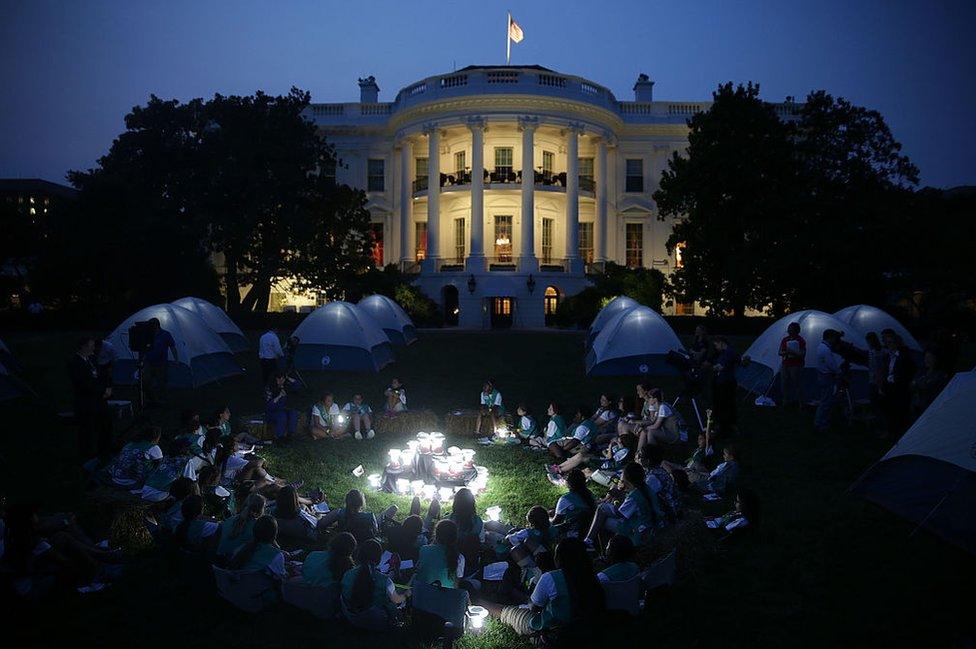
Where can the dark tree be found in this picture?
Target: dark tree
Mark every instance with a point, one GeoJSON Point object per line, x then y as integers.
{"type": "Point", "coordinates": [727, 197]}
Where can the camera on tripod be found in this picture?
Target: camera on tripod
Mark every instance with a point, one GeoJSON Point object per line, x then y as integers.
{"type": "Point", "coordinates": [141, 336]}
{"type": "Point", "coordinates": [689, 369]}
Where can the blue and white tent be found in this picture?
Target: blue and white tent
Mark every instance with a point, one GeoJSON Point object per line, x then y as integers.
{"type": "Point", "coordinates": [866, 318]}
{"type": "Point", "coordinates": [929, 476]}
{"type": "Point", "coordinates": [760, 374]}
{"type": "Point", "coordinates": [391, 318]}
{"type": "Point", "coordinates": [614, 307]}
{"type": "Point", "coordinates": [341, 337]}
{"type": "Point", "coordinates": [202, 355]}
{"type": "Point", "coordinates": [216, 319]}
{"type": "Point", "coordinates": [635, 342]}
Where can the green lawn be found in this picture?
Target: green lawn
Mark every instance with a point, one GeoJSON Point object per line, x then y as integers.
{"type": "Point", "coordinates": [824, 568]}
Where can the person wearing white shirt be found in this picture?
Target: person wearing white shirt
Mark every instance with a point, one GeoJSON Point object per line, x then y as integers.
{"type": "Point", "coordinates": [828, 370]}
{"type": "Point", "coordinates": [327, 419]}
{"type": "Point", "coordinates": [270, 354]}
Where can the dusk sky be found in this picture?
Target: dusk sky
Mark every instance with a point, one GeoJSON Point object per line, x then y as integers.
{"type": "Point", "coordinates": [71, 70]}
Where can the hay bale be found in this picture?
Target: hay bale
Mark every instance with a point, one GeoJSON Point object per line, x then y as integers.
{"type": "Point", "coordinates": [462, 423]}
{"type": "Point", "coordinates": [121, 517]}
{"type": "Point", "coordinates": [254, 425]}
{"type": "Point", "coordinates": [409, 422]}
{"type": "Point", "coordinates": [693, 541]}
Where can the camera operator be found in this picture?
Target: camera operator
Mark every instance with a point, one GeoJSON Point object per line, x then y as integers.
{"type": "Point", "coordinates": [90, 402]}
{"type": "Point", "coordinates": [723, 386]}
{"type": "Point", "coordinates": [156, 359]}
{"type": "Point", "coordinates": [896, 388]}
{"type": "Point", "coordinates": [703, 357]}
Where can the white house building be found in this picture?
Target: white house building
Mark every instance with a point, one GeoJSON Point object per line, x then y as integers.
{"type": "Point", "coordinates": [502, 186]}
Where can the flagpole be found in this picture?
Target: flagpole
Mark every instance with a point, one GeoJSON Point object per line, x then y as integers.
{"type": "Point", "coordinates": [508, 40]}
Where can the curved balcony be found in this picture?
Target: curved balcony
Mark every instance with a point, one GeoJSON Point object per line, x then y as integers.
{"type": "Point", "coordinates": [503, 179]}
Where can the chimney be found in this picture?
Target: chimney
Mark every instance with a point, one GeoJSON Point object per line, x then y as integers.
{"type": "Point", "coordinates": [369, 92]}
{"type": "Point", "coordinates": [644, 88]}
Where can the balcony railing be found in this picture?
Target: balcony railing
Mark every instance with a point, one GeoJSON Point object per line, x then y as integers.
{"type": "Point", "coordinates": [503, 263]}
{"type": "Point", "coordinates": [504, 177]}
{"type": "Point", "coordinates": [420, 184]}
{"type": "Point", "coordinates": [552, 265]}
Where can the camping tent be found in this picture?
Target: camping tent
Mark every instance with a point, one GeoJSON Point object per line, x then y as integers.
{"type": "Point", "coordinates": [929, 476]}
{"type": "Point", "coordinates": [202, 355]}
{"type": "Point", "coordinates": [340, 336]}
{"type": "Point", "coordinates": [866, 318]}
{"type": "Point", "coordinates": [760, 373]}
{"type": "Point", "coordinates": [217, 320]}
{"type": "Point", "coordinates": [391, 318]}
{"type": "Point", "coordinates": [614, 307]}
{"type": "Point", "coordinates": [635, 342]}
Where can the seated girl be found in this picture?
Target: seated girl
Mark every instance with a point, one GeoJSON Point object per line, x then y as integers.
{"type": "Point", "coordinates": [206, 456]}
{"type": "Point", "coordinates": [635, 517]}
{"type": "Point", "coordinates": [722, 480]}
{"type": "Point", "coordinates": [360, 417]}
{"type": "Point", "coordinates": [396, 397]}
{"type": "Point", "coordinates": [261, 553]}
{"type": "Point", "coordinates": [324, 568]}
{"type": "Point", "coordinates": [194, 533]}
{"type": "Point", "coordinates": [351, 518]}
{"type": "Point", "coordinates": [660, 481]}
{"type": "Point", "coordinates": [620, 557]}
{"type": "Point", "coordinates": [221, 420]}
{"type": "Point", "coordinates": [581, 438]}
{"type": "Point", "coordinates": [664, 427]}
{"type": "Point", "coordinates": [555, 428]}
{"type": "Point", "coordinates": [238, 530]}
{"type": "Point", "coordinates": [538, 537]}
{"type": "Point", "coordinates": [570, 593]}
{"type": "Point", "coordinates": [406, 539]}
{"type": "Point", "coordinates": [327, 419]}
{"type": "Point", "coordinates": [179, 490]}
{"type": "Point", "coordinates": [441, 561]}
{"type": "Point", "coordinates": [526, 428]}
{"type": "Point", "coordinates": [369, 598]}
{"type": "Point", "coordinates": [471, 529]}
{"type": "Point", "coordinates": [700, 461]}
{"type": "Point", "coordinates": [282, 419]}
{"type": "Point", "coordinates": [606, 415]}
{"type": "Point", "coordinates": [622, 450]}
{"type": "Point", "coordinates": [745, 512]}
{"type": "Point", "coordinates": [136, 460]}
{"type": "Point", "coordinates": [489, 407]}
{"type": "Point", "coordinates": [628, 421]}
{"type": "Point", "coordinates": [574, 510]}
{"type": "Point", "coordinates": [192, 431]}
{"type": "Point", "coordinates": [295, 522]}
{"type": "Point", "coordinates": [156, 488]}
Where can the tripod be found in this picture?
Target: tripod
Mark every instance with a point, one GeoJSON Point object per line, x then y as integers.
{"type": "Point", "coordinates": [692, 382]}
{"type": "Point", "coordinates": [694, 406]}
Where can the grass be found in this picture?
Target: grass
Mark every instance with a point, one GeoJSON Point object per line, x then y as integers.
{"type": "Point", "coordinates": [824, 568]}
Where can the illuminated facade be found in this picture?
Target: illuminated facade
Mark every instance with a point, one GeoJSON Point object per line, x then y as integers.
{"type": "Point", "coordinates": [501, 187]}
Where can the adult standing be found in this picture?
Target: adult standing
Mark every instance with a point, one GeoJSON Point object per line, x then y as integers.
{"type": "Point", "coordinates": [723, 386]}
{"type": "Point", "coordinates": [156, 360]}
{"type": "Point", "coordinates": [105, 356]}
{"type": "Point", "coordinates": [828, 373]}
{"type": "Point", "coordinates": [928, 383]}
{"type": "Point", "coordinates": [793, 351]}
{"type": "Point", "coordinates": [897, 385]}
{"type": "Point", "coordinates": [91, 408]}
{"type": "Point", "coordinates": [270, 354]}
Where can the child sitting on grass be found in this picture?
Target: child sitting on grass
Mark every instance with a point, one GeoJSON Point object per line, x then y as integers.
{"type": "Point", "coordinates": [369, 598]}
{"type": "Point", "coordinates": [620, 557]}
{"type": "Point", "coordinates": [574, 510]}
{"type": "Point", "coordinates": [351, 518]}
{"type": "Point", "coordinates": [194, 533]}
{"type": "Point", "coordinates": [261, 553]}
{"type": "Point", "coordinates": [526, 428]}
{"type": "Point", "coordinates": [324, 568]}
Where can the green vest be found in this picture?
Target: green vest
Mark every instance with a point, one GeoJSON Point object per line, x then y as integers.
{"type": "Point", "coordinates": [557, 609]}
{"type": "Point", "coordinates": [225, 429]}
{"type": "Point", "coordinates": [526, 427]}
{"type": "Point", "coordinates": [432, 566]}
{"type": "Point", "coordinates": [489, 400]}
{"type": "Point", "coordinates": [316, 570]}
{"type": "Point", "coordinates": [638, 526]}
{"type": "Point", "coordinates": [622, 571]}
{"type": "Point", "coordinates": [560, 428]}
{"type": "Point", "coordinates": [363, 524]}
{"type": "Point", "coordinates": [194, 534]}
{"type": "Point", "coordinates": [263, 555]}
{"type": "Point", "coordinates": [476, 528]}
{"type": "Point", "coordinates": [380, 598]}
{"type": "Point", "coordinates": [229, 545]}
{"type": "Point", "coordinates": [591, 432]}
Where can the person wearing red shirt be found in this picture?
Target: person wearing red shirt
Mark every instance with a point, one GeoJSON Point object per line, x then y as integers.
{"type": "Point", "coordinates": [793, 351]}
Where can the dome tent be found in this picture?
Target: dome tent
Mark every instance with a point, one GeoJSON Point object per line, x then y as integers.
{"type": "Point", "coordinates": [929, 476]}
{"type": "Point", "coordinates": [615, 306]}
{"type": "Point", "coordinates": [760, 373]}
{"type": "Point", "coordinates": [216, 319]}
{"type": "Point", "coordinates": [634, 342]}
{"type": "Point", "coordinates": [866, 318]}
{"type": "Point", "coordinates": [391, 318]}
{"type": "Point", "coordinates": [202, 355]}
{"type": "Point", "coordinates": [340, 336]}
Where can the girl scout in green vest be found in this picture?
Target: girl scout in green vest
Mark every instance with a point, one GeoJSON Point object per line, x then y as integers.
{"type": "Point", "coordinates": [569, 593]}
{"type": "Point", "coordinates": [441, 561]}
{"type": "Point", "coordinates": [582, 434]}
{"type": "Point", "coordinates": [555, 428]}
{"type": "Point", "coordinates": [369, 598]}
{"type": "Point", "coordinates": [353, 519]}
{"type": "Point", "coordinates": [620, 556]}
{"type": "Point", "coordinates": [636, 516]}
{"type": "Point", "coordinates": [324, 568]}
{"type": "Point", "coordinates": [574, 510]}
{"type": "Point", "coordinates": [238, 530]}
{"type": "Point", "coordinates": [262, 552]}
{"type": "Point", "coordinates": [490, 406]}
{"type": "Point", "coordinates": [194, 533]}
{"type": "Point", "coordinates": [526, 428]}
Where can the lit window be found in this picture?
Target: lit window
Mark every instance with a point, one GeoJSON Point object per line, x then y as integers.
{"type": "Point", "coordinates": [548, 161]}
{"type": "Point", "coordinates": [586, 241]}
{"type": "Point", "coordinates": [503, 162]}
{"type": "Point", "coordinates": [547, 225]}
{"type": "Point", "coordinates": [376, 240]}
{"type": "Point", "coordinates": [679, 251]}
{"type": "Point", "coordinates": [459, 240]}
{"type": "Point", "coordinates": [635, 245]}
{"type": "Point", "coordinates": [503, 237]}
{"type": "Point", "coordinates": [421, 231]}
{"type": "Point", "coordinates": [459, 162]}
{"type": "Point", "coordinates": [551, 300]}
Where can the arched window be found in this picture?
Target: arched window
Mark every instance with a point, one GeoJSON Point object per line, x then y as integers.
{"type": "Point", "coordinates": [550, 302]}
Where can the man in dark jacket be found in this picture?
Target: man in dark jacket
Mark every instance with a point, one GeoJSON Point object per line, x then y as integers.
{"type": "Point", "coordinates": [91, 406]}
{"type": "Point", "coordinates": [896, 389]}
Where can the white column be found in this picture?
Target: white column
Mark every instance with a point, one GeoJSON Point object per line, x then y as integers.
{"type": "Point", "coordinates": [406, 202]}
{"type": "Point", "coordinates": [476, 256]}
{"type": "Point", "coordinates": [572, 198]}
{"type": "Point", "coordinates": [433, 197]}
{"type": "Point", "coordinates": [527, 261]}
{"type": "Point", "coordinates": [600, 231]}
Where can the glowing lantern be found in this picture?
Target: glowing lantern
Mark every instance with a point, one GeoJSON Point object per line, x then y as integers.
{"type": "Point", "coordinates": [476, 618]}
{"type": "Point", "coordinates": [494, 513]}
{"type": "Point", "coordinates": [374, 480]}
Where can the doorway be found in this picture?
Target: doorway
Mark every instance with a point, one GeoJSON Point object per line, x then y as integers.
{"type": "Point", "coordinates": [501, 312]}
{"type": "Point", "coordinates": [452, 306]}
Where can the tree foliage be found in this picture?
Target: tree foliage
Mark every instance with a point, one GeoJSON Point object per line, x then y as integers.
{"type": "Point", "coordinates": [645, 285]}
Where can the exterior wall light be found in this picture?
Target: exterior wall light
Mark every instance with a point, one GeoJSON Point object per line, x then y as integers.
{"type": "Point", "coordinates": [472, 284]}
{"type": "Point", "coordinates": [530, 283]}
